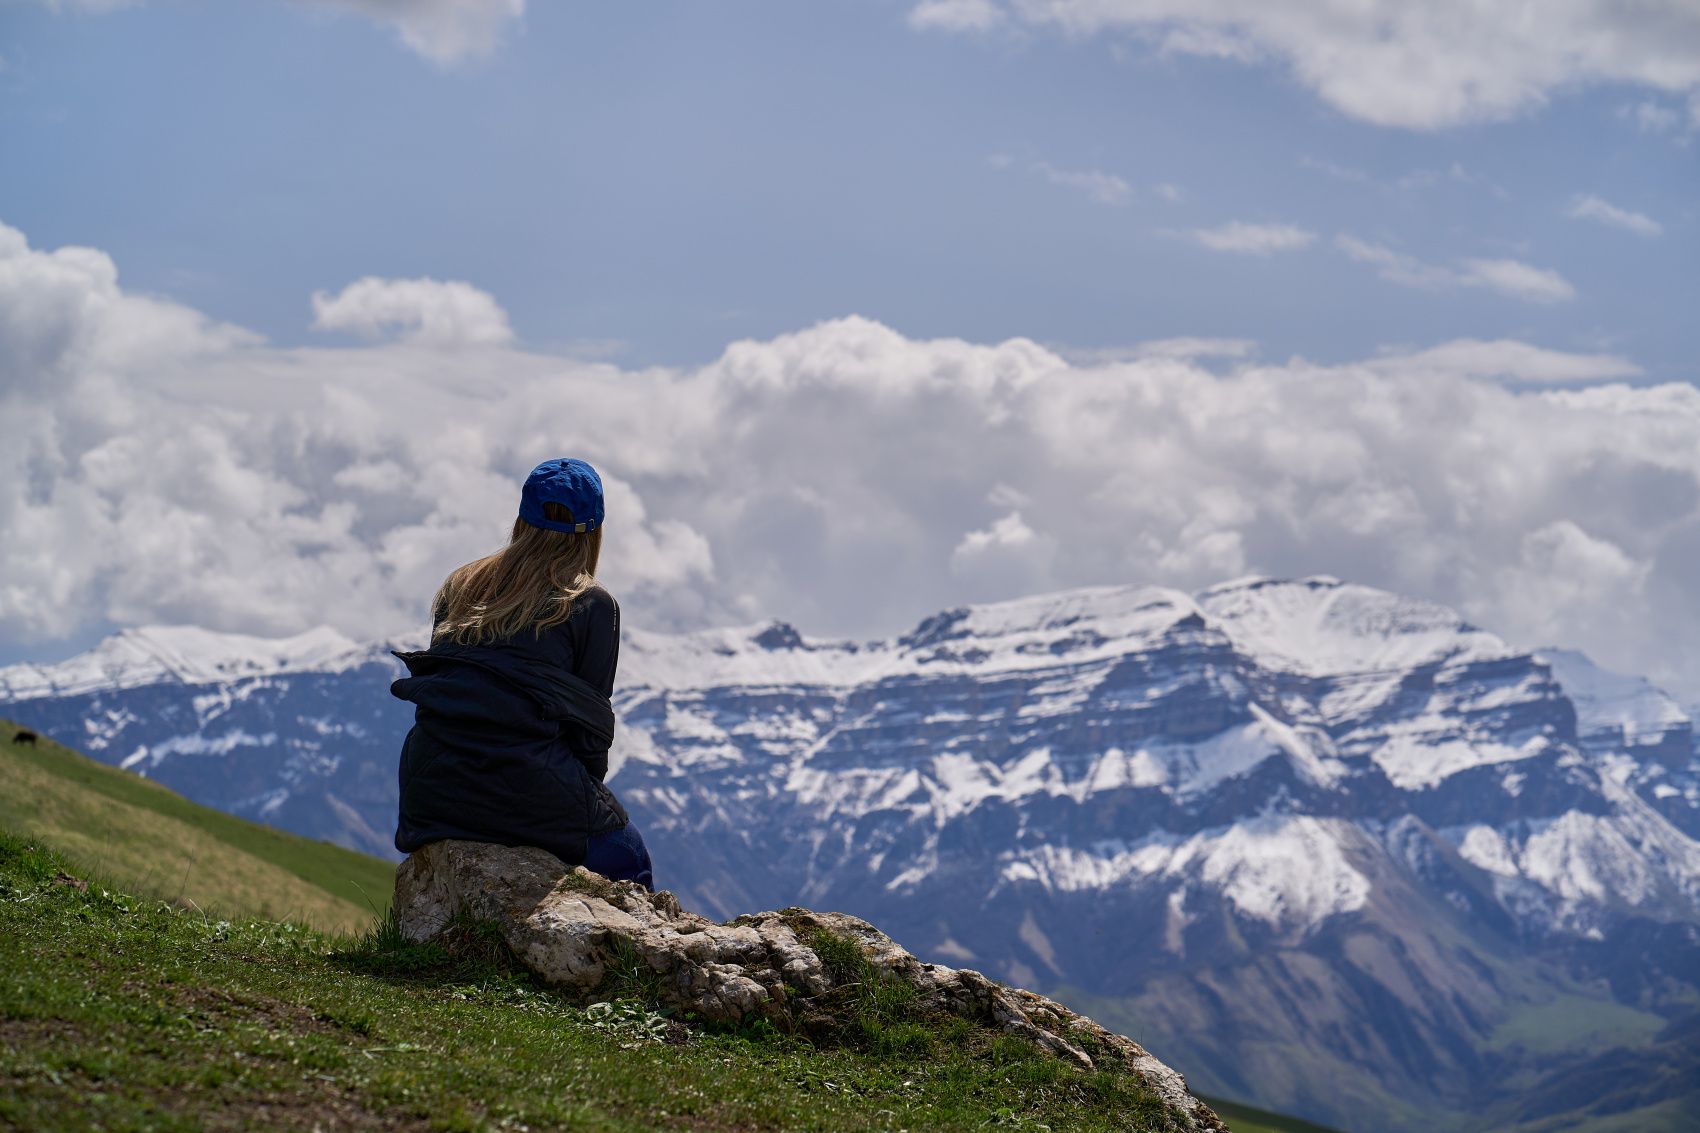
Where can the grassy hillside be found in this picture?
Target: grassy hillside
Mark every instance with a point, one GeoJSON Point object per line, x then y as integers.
{"type": "Point", "coordinates": [149, 840]}
{"type": "Point", "coordinates": [128, 1014]}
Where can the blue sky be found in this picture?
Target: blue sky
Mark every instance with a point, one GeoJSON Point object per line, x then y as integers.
{"type": "Point", "coordinates": [863, 309]}
{"type": "Point", "coordinates": [660, 179]}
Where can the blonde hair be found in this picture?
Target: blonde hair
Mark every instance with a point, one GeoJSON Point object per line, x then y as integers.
{"type": "Point", "coordinates": [533, 581]}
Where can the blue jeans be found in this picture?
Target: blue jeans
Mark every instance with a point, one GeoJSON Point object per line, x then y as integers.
{"type": "Point", "coordinates": [620, 855]}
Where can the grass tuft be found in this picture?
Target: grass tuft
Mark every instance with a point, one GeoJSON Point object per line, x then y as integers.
{"type": "Point", "coordinates": [629, 976]}
{"type": "Point", "coordinates": [872, 1013]}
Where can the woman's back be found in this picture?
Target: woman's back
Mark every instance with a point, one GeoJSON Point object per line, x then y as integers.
{"type": "Point", "coordinates": [513, 715]}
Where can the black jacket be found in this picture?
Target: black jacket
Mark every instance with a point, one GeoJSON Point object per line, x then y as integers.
{"type": "Point", "coordinates": [510, 739]}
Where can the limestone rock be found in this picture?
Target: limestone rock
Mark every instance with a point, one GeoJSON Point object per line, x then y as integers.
{"type": "Point", "coordinates": [571, 926]}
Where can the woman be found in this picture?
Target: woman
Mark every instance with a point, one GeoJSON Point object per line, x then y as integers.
{"type": "Point", "coordinates": [513, 721]}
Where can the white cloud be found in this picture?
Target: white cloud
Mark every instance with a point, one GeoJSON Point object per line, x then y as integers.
{"type": "Point", "coordinates": [956, 15]}
{"type": "Point", "coordinates": [1008, 531]}
{"type": "Point", "coordinates": [1170, 192]}
{"type": "Point", "coordinates": [426, 311]}
{"type": "Point", "coordinates": [444, 31]}
{"type": "Point", "coordinates": [1559, 566]}
{"type": "Point", "coordinates": [1001, 558]}
{"type": "Point", "coordinates": [1590, 207]}
{"type": "Point", "coordinates": [63, 316]}
{"type": "Point", "coordinates": [1253, 239]}
{"type": "Point", "coordinates": [844, 477]}
{"type": "Point", "coordinates": [1517, 279]}
{"type": "Point", "coordinates": [1506, 360]}
{"type": "Point", "coordinates": [1396, 63]}
{"type": "Point", "coordinates": [1511, 278]}
{"type": "Point", "coordinates": [1105, 188]}
{"type": "Point", "coordinates": [1395, 267]}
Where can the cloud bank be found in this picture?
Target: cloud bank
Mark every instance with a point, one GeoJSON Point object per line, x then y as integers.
{"type": "Point", "coordinates": [163, 467]}
{"type": "Point", "coordinates": [1391, 62]}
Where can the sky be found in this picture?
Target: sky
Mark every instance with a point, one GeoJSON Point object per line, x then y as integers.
{"type": "Point", "coordinates": [864, 308]}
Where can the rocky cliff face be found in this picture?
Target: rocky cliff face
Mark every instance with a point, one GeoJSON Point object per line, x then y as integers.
{"type": "Point", "coordinates": [1333, 850]}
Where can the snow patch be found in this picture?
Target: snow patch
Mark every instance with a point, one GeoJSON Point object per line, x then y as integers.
{"type": "Point", "coordinates": [1413, 761]}
{"type": "Point", "coordinates": [1611, 704]}
{"type": "Point", "coordinates": [183, 655]}
{"type": "Point", "coordinates": [1288, 871]}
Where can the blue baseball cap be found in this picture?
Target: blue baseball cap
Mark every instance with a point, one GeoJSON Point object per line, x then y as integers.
{"type": "Point", "coordinates": [571, 482]}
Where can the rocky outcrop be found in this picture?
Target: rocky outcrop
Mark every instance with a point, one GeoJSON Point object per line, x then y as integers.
{"type": "Point", "coordinates": [583, 933]}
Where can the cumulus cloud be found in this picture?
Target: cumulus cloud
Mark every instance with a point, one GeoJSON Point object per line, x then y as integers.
{"type": "Point", "coordinates": [1253, 239]}
{"type": "Point", "coordinates": [444, 31]}
{"type": "Point", "coordinates": [1395, 63]}
{"type": "Point", "coordinates": [1590, 207]}
{"type": "Point", "coordinates": [994, 561]}
{"type": "Point", "coordinates": [426, 311]}
{"type": "Point", "coordinates": [1511, 278]}
{"type": "Point", "coordinates": [845, 477]}
{"type": "Point", "coordinates": [62, 316]}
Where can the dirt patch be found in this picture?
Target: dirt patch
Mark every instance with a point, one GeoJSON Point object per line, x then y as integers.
{"type": "Point", "coordinates": [319, 1106]}
{"type": "Point", "coordinates": [276, 1014]}
{"type": "Point", "coordinates": [273, 1014]}
{"type": "Point", "coordinates": [17, 1034]}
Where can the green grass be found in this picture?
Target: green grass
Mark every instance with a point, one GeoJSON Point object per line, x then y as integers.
{"type": "Point", "coordinates": [150, 840]}
{"type": "Point", "coordinates": [1570, 1021]}
{"type": "Point", "coordinates": [867, 1010]}
{"type": "Point", "coordinates": [127, 1014]}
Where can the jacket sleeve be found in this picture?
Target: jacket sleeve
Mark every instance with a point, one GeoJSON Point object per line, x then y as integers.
{"type": "Point", "coordinates": [596, 657]}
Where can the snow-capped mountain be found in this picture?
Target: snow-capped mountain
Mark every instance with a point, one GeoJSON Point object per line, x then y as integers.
{"type": "Point", "coordinates": [1327, 848]}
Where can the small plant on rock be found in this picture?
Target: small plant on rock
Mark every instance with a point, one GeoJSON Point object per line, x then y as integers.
{"type": "Point", "coordinates": [874, 1012]}
{"type": "Point", "coordinates": [628, 975]}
